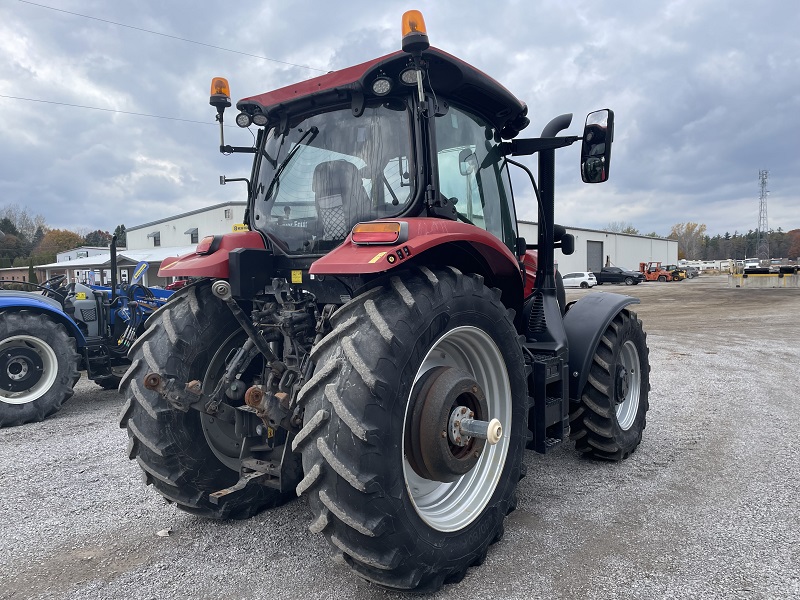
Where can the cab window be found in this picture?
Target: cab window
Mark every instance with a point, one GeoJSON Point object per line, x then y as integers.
{"type": "Point", "coordinates": [473, 174]}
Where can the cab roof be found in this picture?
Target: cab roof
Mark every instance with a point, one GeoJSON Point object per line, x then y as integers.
{"type": "Point", "coordinates": [445, 75]}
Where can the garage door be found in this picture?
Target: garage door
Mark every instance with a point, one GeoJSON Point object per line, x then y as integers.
{"type": "Point", "coordinates": [594, 256]}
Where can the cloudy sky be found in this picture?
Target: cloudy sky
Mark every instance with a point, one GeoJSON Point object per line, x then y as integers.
{"type": "Point", "coordinates": [706, 94]}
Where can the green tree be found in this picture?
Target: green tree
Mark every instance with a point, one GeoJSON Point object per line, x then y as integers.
{"type": "Point", "coordinates": [98, 238]}
{"type": "Point", "coordinates": [121, 235]}
{"type": "Point", "coordinates": [32, 272]}
{"type": "Point", "coordinates": [12, 245]}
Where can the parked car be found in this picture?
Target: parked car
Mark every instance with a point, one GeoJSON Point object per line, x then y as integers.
{"type": "Point", "coordinates": [618, 275]}
{"type": "Point", "coordinates": [691, 272]}
{"type": "Point", "coordinates": [581, 279]}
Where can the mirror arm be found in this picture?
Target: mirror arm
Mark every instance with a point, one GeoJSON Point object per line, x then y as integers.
{"type": "Point", "coordinates": [232, 149]}
{"type": "Point", "coordinates": [525, 147]}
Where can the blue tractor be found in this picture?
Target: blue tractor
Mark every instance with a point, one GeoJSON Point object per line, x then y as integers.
{"type": "Point", "coordinates": [49, 335]}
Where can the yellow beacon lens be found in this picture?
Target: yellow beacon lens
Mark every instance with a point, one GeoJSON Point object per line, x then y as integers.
{"type": "Point", "coordinates": [220, 87]}
{"type": "Point", "coordinates": [413, 22]}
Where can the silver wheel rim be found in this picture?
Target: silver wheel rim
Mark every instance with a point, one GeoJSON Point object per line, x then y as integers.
{"type": "Point", "coordinates": [49, 368]}
{"type": "Point", "coordinates": [453, 506]}
{"type": "Point", "coordinates": [629, 407]}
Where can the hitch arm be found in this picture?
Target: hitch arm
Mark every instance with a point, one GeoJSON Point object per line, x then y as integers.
{"type": "Point", "coordinates": [222, 290]}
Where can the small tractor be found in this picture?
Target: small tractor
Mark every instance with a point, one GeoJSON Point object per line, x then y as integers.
{"type": "Point", "coordinates": [653, 271]}
{"type": "Point", "coordinates": [48, 336]}
{"type": "Point", "coordinates": [381, 340]}
{"type": "Point", "coordinates": [678, 274]}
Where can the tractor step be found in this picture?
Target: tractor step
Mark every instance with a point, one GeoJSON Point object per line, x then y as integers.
{"type": "Point", "coordinates": [548, 419]}
{"type": "Point", "coordinates": [550, 443]}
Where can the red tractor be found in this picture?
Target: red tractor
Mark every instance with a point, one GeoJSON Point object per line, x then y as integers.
{"type": "Point", "coordinates": [381, 340]}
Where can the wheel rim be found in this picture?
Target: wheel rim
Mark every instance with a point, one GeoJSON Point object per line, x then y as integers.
{"type": "Point", "coordinates": [628, 385]}
{"type": "Point", "coordinates": [453, 506]}
{"type": "Point", "coordinates": [221, 435]}
{"type": "Point", "coordinates": [29, 369]}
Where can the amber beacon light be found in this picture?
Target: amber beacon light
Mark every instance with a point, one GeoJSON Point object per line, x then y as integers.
{"type": "Point", "coordinates": [220, 93]}
{"type": "Point", "coordinates": [415, 35]}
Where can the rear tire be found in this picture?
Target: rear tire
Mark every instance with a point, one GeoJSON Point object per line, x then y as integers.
{"type": "Point", "coordinates": [609, 420]}
{"type": "Point", "coordinates": [662, 278]}
{"type": "Point", "coordinates": [187, 455]}
{"type": "Point", "coordinates": [629, 281]}
{"type": "Point", "coordinates": [38, 368]}
{"type": "Point", "coordinates": [391, 525]}
{"type": "Point", "coordinates": [584, 285]}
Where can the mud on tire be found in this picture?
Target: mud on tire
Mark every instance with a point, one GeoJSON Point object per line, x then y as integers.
{"type": "Point", "coordinates": [171, 447]}
{"type": "Point", "coordinates": [359, 483]}
{"type": "Point", "coordinates": [610, 418]}
{"type": "Point", "coordinates": [38, 368]}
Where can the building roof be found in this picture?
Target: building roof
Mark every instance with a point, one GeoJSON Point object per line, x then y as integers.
{"type": "Point", "coordinates": [636, 235]}
{"type": "Point", "coordinates": [187, 214]}
{"type": "Point", "coordinates": [149, 255]}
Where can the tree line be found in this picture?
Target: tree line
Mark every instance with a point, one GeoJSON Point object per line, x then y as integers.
{"type": "Point", "coordinates": [695, 244]}
{"type": "Point", "coordinates": [26, 239]}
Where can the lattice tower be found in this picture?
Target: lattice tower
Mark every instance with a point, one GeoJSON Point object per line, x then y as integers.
{"type": "Point", "coordinates": [762, 246]}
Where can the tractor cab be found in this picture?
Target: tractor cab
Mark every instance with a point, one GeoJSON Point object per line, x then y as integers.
{"type": "Point", "coordinates": [360, 145]}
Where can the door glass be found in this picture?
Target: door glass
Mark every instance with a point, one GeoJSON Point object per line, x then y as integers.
{"type": "Point", "coordinates": [473, 174]}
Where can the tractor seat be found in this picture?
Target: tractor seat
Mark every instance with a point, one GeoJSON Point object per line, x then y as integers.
{"type": "Point", "coordinates": [340, 197]}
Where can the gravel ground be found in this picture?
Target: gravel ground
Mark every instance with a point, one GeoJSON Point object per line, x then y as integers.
{"type": "Point", "coordinates": [707, 507]}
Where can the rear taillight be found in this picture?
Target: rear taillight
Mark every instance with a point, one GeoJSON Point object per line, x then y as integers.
{"type": "Point", "coordinates": [207, 245]}
{"type": "Point", "coordinates": [377, 232]}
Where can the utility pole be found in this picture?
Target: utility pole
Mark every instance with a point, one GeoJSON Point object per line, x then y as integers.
{"type": "Point", "coordinates": [762, 245]}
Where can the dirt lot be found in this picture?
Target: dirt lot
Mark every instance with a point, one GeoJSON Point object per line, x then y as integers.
{"type": "Point", "coordinates": [706, 508]}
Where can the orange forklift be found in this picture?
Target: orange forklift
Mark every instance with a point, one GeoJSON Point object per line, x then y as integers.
{"type": "Point", "coordinates": [653, 271]}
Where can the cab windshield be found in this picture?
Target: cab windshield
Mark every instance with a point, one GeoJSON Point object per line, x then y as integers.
{"type": "Point", "coordinates": [330, 171]}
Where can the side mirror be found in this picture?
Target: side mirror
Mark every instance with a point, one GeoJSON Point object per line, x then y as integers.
{"type": "Point", "coordinates": [596, 148]}
{"type": "Point", "coordinates": [467, 162]}
{"type": "Point", "coordinates": [567, 244]}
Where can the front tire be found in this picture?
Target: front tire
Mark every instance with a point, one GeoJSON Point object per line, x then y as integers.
{"type": "Point", "coordinates": [38, 367]}
{"type": "Point", "coordinates": [188, 455]}
{"type": "Point", "coordinates": [609, 420]}
{"type": "Point", "coordinates": [629, 281]}
{"type": "Point", "coordinates": [662, 278]}
{"type": "Point", "coordinates": [391, 525]}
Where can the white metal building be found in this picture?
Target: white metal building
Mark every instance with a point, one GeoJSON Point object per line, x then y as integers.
{"type": "Point", "coordinates": [595, 249]}
{"type": "Point", "coordinates": [82, 252]}
{"type": "Point", "coordinates": [187, 228]}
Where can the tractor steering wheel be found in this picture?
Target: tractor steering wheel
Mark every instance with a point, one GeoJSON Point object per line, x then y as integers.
{"type": "Point", "coordinates": [53, 287]}
{"type": "Point", "coordinates": [55, 281]}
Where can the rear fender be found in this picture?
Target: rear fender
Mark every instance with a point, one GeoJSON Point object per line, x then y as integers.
{"type": "Point", "coordinates": [585, 322]}
{"type": "Point", "coordinates": [30, 301]}
{"type": "Point", "coordinates": [422, 235]}
{"type": "Point", "coordinates": [215, 263]}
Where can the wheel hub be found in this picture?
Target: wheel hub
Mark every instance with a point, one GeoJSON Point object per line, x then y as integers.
{"type": "Point", "coordinates": [20, 369]}
{"type": "Point", "coordinates": [623, 384]}
{"type": "Point", "coordinates": [438, 448]}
